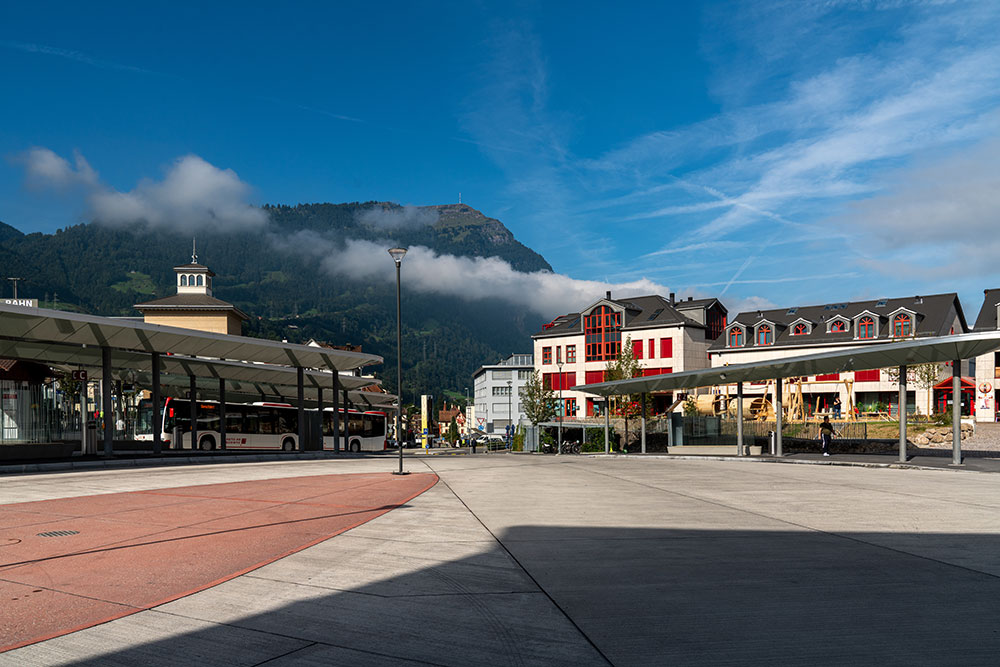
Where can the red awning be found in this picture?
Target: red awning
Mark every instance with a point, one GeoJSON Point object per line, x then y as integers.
{"type": "Point", "coordinates": [967, 383]}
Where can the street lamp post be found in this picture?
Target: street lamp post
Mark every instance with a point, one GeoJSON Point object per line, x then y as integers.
{"type": "Point", "coordinates": [562, 410]}
{"type": "Point", "coordinates": [397, 256]}
{"type": "Point", "coordinates": [510, 418]}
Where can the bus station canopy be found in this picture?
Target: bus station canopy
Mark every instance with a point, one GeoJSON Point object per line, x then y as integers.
{"type": "Point", "coordinates": [70, 357]}
{"type": "Point", "coordinates": [880, 355]}
{"type": "Point", "coordinates": [46, 326]}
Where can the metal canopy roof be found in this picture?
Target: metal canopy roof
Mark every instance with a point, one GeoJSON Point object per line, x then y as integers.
{"type": "Point", "coordinates": [249, 392]}
{"type": "Point", "coordinates": [55, 326]}
{"type": "Point", "coordinates": [74, 356]}
{"type": "Point", "coordinates": [888, 355]}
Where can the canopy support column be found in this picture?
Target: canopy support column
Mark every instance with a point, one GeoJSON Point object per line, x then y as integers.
{"type": "Point", "coordinates": [739, 419]}
{"type": "Point", "coordinates": [193, 404]}
{"type": "Point", "coordinates": [347, 422]}
{"type": "Point", "coordinates": [777, 417]}
{"type": "Point", "coordinates": [157, 413]}
{"type": "Point", "coordinates": [902, 413]}
{"type": "Point", "coordinates": [107, 412]}
{"type": "Point", "coordinates": [336, 412]}
{"type": "Point", "coordinates": [301, 395]}
{"type": "Point", "coordinates": [222, 413]}
{"type": "Point", "coordinates": [319, 408]}
{"type": "Point", "coordinates": [607, 424]}
{"type": "Point", "coordinates": [956, 412]}
{"type": "Point", "coordinates": [643, 437]}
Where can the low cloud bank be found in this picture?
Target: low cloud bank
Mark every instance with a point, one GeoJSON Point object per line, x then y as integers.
{"type": "Point", "coordinates": [406, 217]}
{"type": "Point", "coordinates": [467, 278]}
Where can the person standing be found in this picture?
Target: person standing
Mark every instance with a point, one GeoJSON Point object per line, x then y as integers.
{"type": "Point", "coordinates": [826, 435]}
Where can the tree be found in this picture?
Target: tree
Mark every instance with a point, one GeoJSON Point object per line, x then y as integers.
{"type": "Point", "coordinates": [453, 431]}
{"type": "Point", "coordinates": [537, 399]}
{"type": "Point", "coordinates": [624, 367]}
{"type": "Point", "coordinates": [923, 376]}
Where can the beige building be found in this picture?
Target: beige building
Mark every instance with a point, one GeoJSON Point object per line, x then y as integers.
{"type": "Point", "coordinates": [194, 307]}
{"type": "Point", "coordinates": [765, 335]}
{"type": "Point", "coordinates": [668, 336]}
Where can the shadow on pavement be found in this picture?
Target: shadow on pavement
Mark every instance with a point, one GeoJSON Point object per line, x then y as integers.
{"type": "Point", "coordinates": [641, 596]}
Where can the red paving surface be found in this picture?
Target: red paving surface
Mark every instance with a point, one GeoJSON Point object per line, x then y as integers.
{"type": "Point", "coordinates": [141, 549]}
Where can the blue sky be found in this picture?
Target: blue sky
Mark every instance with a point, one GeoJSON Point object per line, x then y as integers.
{"type": "Point", "coordinates": [768, 152]}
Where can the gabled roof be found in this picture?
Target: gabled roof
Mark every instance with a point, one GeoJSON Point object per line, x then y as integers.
{"type": "Point", "coordinates": [190, 302]}
{"type": "Point", "coordinates": [932, 320]}
{"type": "Point", "coordinates": [987, 320]}
{"type": "Point", "coordinates": [640, 312]}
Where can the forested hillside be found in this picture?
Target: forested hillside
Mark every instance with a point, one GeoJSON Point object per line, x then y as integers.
{"type": "Point", "coordinates": [102, 270]}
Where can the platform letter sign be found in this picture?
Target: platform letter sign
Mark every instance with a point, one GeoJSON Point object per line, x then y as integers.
{"type": "Point", "coordinates": [79, 375]}
{"type": "Point", "coordinates": [24, 303]}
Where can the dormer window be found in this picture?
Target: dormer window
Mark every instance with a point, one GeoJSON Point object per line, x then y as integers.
{"type": "Point", "coordinates": [735, 338]}
{"type": "Point", "coordinates": [866, 327]}
{"type": "Point", "coordinates": [902, 325]}
{"type": "Point", "coordinates": [800, 329]}
{"type": "Point", "coordinates": [765, 335]}
{"type": "Point", "coordinates": [838, 324]}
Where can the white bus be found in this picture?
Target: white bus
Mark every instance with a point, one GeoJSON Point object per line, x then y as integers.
{"type": "Point", "coordinates": [256, 426]}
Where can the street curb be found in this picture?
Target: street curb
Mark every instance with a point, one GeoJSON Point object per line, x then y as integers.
{"type": "Point", "coordinates": [155, 462]}
{"type": "Point", "coordinates": [758, 459]}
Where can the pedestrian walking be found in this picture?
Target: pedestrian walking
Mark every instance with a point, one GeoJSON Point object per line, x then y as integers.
{"type": "Point", "coordinates": [826, 435]}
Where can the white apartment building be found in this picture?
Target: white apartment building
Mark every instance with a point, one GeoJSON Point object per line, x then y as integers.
{"type": "Point", "coordinates": [800, 330]}
{"type": "Point", "coordinates": [668, 336]}
{"type": "Point", "coordinates": [498, 391]}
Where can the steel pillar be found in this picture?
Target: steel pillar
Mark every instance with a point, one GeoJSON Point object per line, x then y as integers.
{"type": "Point", "coordinates": [643, 436]}
{"type": "Point", "coordinates": [109, 418]}
{"type": "Point", "coordinates": [739, 419]}
{"type": "Point", "coordinates": [193, 404]}
{"type": "Point", "coordinates": [336, 412]}
{"type": "Point", "coordinates": [222, 413]}
{"type": "Point", "coordinates": [956, 412]}
{"type": "Point", "coordinates": [902, 413]}
{"type": "Point", "coordinates": [301, 395]}
{"type": "Point", "coordinates": [777, 417]}
{"type": "Point", "coordinates": [157, 414]}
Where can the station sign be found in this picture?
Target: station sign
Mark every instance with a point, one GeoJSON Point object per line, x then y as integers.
{"type": "Point", "coordinates": [24, 303]}
{"type": "Point", "coordinates": [79, 375]}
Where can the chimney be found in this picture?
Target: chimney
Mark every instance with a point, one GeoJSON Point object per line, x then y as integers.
{"type": "Point", "coordinates": [690, 298]}
{"type": "Point", "coordinates": [608, 295]}
{"type": "Point", "coordinates": [672, 298]}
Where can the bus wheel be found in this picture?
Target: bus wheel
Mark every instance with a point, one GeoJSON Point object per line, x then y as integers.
{"type": "Point", "coordinates": [288, 444]}
{"type": "Point", "coordinates": [355, 446]}
{"type": "Point", "coordinates": [206, 444]}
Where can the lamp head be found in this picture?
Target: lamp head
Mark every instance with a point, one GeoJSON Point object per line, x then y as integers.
{"type": "Point", "coordinates": [397, 254]}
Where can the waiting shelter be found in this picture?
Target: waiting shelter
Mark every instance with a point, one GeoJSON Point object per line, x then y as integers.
{"type": "Point", "coordinates": [952, 348]}
{"type": "Point", "coordinates": [115, 347]}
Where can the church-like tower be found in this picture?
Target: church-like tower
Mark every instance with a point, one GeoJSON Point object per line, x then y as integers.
{"type": "Point", "coordinates": [194, 307]}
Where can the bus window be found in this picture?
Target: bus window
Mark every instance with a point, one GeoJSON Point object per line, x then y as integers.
{"type": "Point", "coordinates": [251, 422]}
{"type": "Point", "coordinates": [328, 423]}
{"type": "Point", "coordinates": [369, 426]}
{"type": "Point", "coordinates": [208, 417]}
{"type": "Point", "coordinates": [288, 421]}
{"type": "Point", "coordinates": [268, 421]}
{"type": "Point", "coordinates": [234, 419]}
{"type": "Point", "coordinates": [357, 425]}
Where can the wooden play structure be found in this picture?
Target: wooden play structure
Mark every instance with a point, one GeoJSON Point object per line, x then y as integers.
{"type": "Point", "coordinates": [761, 408]}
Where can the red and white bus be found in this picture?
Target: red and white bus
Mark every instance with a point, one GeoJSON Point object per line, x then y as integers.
{"type": "Point", "coordinates": [256, 426]}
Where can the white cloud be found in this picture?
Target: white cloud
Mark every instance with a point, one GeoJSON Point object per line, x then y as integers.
{"type": "Point", "coordinates": [192, 196]}
{"type": "Point", "coordinates": [43, 168]}
{"type": "Point", "coordinates": [468, 278]}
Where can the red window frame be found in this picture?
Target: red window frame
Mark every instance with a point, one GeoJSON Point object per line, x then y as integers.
{"type": "Point", "coordinates": [547, 380]}
{"type": "Point", "coordinates": [902, 325]}
{"type": "Point", "coordinates": [637, 349]}
{"type": "Point", "coordinates": [764, 335]}
{"type": "Point", "coordinates": [602, 334]}
{"type": "Point", "coordinates": [800, 329]}
{"type": "Point", "coordinates": [593, 377]}
{"type": "Point", "coordinates": [667, 348]}
{"type": "Point", "coordinates": [829, 376]}
{"type": "Point", "coordinates": [558, 354]}
{"type": "Point", "coordinates": [571, 354]}
{"type": "Point", "coordinates": [546, 355]}
{"type": "Point", "coordinates": [652, 348]}
{"type": "Point", "coordinates": [570, 410]}
{"type": "Point", "coordinates": [866, 328]}
{"type": "Point", "coordinates": [735, 338]}
{"type": "Point", "coordinates": [840, 326]}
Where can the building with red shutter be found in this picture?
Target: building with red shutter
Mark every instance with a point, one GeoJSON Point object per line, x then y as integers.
{"type": "Point", "coordinates": [763, 335]}
{"type": "Point", "coordinates": [667, 336]}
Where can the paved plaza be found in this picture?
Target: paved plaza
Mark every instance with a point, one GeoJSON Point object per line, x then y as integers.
{"type": "Point", "coordinates": [521, 560]}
